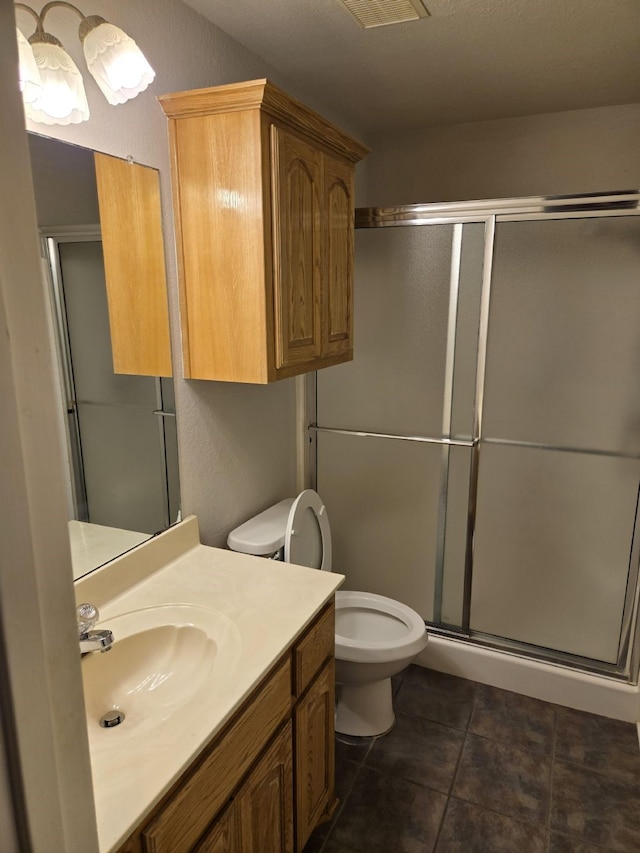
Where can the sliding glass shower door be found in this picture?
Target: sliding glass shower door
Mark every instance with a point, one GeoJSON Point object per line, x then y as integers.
{"type": "Point", "coordinates": [480, 457]}
{"type": "Point", "coordinates": [560, 455]}
{"type": "Point", "coordinates": [394, 437]}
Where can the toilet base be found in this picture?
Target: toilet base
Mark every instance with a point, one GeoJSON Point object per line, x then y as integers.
{"type": "Point", "coordinates": [364, 710]}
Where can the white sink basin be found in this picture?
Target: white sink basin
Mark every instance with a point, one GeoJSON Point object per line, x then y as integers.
{"type": "Point", "coordinates": [160, 660]}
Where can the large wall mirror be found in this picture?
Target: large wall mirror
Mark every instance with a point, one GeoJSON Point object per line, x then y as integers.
{"type": "Point", "coordinates": [103, 268]}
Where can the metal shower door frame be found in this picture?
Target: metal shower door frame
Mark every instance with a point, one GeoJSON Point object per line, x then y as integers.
{"type": "Point", "coordinates": [51, 238]}
{"type": "Point", "coordinates": [490, 212]}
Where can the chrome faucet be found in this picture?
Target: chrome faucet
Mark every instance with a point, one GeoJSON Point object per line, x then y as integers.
{"type": "Point", "coordinates": [90, 640]}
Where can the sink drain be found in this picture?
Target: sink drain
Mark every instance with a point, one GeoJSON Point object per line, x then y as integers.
{"type": "Point", "coordinates": [111, 719]}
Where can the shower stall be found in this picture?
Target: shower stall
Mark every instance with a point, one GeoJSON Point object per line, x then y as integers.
{"type": "Point", "coordinates": [480, 457]}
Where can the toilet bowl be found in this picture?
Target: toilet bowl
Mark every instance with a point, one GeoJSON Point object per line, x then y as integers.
{"type": "Point", "coordinates": [376, 637]}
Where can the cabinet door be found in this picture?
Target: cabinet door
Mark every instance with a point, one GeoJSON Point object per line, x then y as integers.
{"type": "Point", "coordinates": [223, 836]}
{"type": "Point", "coordinates": [297, 189]}
{"type": "Point", "coordinates": [337, 308]}
{"type": "Point", "coordinates": [265, 802]}
{"type": "Point", "coordinates": [206, 788]}
{"type": "Point", "coordinates": [315, 754]}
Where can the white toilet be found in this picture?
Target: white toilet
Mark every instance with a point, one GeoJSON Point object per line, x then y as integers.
{"type": "Point", "coordinates": [376, 637]}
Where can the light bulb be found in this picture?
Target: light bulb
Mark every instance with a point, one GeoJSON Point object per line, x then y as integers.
{"type": "Point", "coordinates": [62, 99]}
{"type": "Point", "coordinates": [115, 61]}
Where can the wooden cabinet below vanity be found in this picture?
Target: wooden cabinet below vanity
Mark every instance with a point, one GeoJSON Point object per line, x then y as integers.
{"type": "Point", "coordinates": [267, 779]}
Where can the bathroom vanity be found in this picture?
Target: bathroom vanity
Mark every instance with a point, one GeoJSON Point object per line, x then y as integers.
{"type": "Point", "coordinates": [239, 754]}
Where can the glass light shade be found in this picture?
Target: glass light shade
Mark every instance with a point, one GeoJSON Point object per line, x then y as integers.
{"type": "Point", "coordinates": [30, 82]}
{"type": "Point", "coordinates": [62, 99]}
{"type": "Point", "coordinates": [116, 63]}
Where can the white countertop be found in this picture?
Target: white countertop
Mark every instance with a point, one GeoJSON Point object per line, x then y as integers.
{"type": "Point", "coordinates": [268, 603]}
{"type": "Point", "coordinates": [92, 545]}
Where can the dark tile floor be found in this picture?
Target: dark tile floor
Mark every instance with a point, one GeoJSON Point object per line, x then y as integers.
{"type": "Point", "coordinates": [472, 769]}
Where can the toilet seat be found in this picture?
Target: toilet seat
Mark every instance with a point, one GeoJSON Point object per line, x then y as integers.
{"type": "Point", "coordinates": [403, 635]}
{"type": "Point", "coordinates": [307, 539]}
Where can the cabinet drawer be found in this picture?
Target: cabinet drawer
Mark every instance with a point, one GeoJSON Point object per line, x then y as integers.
{"type": "Point", "coordinates": [188, 813]}
{"type": "Point", "coordinates": [313, 650]}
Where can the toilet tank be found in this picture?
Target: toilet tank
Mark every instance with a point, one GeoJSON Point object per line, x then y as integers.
{"type": "Point", "coordinates": [262, 535]}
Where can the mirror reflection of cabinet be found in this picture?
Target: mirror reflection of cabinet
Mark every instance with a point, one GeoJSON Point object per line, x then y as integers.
{"type": "Point", "coordinates": [131, 223]}
{"type": "Point", "coordinates": [120, 449]}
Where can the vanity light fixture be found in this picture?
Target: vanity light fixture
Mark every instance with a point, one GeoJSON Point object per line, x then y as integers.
{"type": "Point", "coordinates": [113, 58]}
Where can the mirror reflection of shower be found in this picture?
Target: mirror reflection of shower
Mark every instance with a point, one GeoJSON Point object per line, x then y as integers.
{"type": "Point", "coordinates": [118, 432]}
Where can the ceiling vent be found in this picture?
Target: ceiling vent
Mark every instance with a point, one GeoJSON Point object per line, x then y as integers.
{"type": "Point", "coordinates": [381, 13]}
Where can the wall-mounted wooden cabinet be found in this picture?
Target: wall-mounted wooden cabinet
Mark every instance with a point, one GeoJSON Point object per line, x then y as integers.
{"type": "Point", "coordinates": [267, 779]}
{"type": "Point", "coordinates": [264, 206]}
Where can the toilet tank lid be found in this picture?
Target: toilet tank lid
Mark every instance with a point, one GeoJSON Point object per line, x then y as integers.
{"type": "Point", "coordinates": [264, 533]}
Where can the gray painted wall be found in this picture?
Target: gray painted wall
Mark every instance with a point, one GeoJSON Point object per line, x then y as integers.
{"type": "Point", "coordinates": [552, 154]}
{"type": "Point", "coordinates": [64, 180]}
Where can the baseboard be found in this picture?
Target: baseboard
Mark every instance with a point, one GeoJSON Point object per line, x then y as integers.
{"type": "Point", "coordinates": [551, 683]}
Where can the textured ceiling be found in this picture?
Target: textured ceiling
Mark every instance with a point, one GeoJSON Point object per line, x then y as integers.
{"type": "Point", "coordinates": [471, 60]}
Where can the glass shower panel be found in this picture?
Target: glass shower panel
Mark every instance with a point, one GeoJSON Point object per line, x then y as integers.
{"type": "Point", "coordinates": [395, 384]}
{"type": "Point", "coordinates": [382, 500]}
{"type": "Point", "coordinates": [564, 334]}
{"type": "Point", "coordinates": [119, 434]}
{"type": "Point", "coordinates": [552, 548]}
{"type": "Point", "coordinates": [123, 475]}
{"type": "Point", "coordinates": [455, 513]}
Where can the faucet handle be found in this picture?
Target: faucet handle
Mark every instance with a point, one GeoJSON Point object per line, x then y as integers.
{"type": "Point", "coordinates": [87, 616]}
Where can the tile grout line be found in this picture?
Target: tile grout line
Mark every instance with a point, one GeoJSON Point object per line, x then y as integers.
{"type": "Point", "coordinates": [505, 814]}
{"type": "Point", "coordinates": [455, 772]}
{"type": "Point", "coordinates": [546, 826]}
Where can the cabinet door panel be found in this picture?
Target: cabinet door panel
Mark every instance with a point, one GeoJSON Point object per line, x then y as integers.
{"type": "Point", "coordinates": [315, 754]}
{"type": "Point", "coordinates": [337, 330]}
{"type": "Point", "coordinates": [296, 188]}
{"type": "Point", "coordinates": [265, 803]}
{"type": "Point", "coordinates": [223, 837]}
